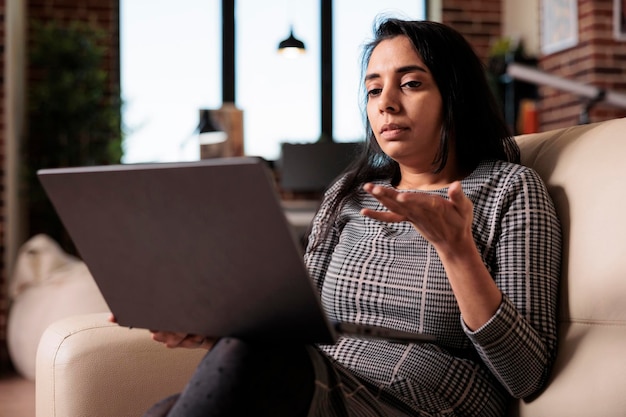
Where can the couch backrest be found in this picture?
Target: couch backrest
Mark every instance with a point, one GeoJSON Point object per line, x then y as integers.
{"type": "Point", "coordinates": [584, 168]}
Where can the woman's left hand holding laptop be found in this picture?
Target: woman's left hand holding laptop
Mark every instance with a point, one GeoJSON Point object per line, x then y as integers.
{"type": "Point", "coordinates": [174, 339]}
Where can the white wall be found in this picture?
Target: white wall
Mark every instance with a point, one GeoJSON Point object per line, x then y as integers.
{"type": "Point", "coordinates": [434, 10]}
{"type": "Point", "coordinates": [520, 20]}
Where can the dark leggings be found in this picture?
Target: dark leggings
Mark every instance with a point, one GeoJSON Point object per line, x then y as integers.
{"type": "Point", "coordinates": [236, 378]}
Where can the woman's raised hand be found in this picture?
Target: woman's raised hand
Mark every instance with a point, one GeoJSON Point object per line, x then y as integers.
{"type": "Point", "coordinates": [441, 221]}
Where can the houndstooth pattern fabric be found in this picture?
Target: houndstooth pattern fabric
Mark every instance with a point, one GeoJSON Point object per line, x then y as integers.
{"type": "Point", "coordinates": [387, 274]}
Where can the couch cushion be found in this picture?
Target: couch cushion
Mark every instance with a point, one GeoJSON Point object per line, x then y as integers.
{"type": "Point", "coordinates": [585, 171]}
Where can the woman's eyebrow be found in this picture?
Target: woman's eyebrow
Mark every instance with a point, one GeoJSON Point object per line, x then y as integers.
{"type": "Point", "coordinates": [401, 70]}
{"type": "Point", "coordinates": [411, 68]}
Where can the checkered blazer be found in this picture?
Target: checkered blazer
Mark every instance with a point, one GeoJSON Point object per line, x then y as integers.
{"type": "Point", "coordinates": [387, 274]}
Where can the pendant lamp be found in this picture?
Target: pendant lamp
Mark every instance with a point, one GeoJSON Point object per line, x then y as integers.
{"type": "Point", "coordinates": [291, 46]}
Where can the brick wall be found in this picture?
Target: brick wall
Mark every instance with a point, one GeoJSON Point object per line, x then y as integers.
{"type": "Point", "coordinates": [104, 14]}
{"type": "Point", "coordinates": [598, 59]}
{"type": "Point", "coordinates": [480, 21]}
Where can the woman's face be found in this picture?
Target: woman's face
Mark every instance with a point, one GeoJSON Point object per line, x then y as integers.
{"type": "Point", "coordinates": [404, 104]}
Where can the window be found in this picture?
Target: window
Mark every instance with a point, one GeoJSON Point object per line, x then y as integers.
{"type": "Point", "coordinates": [171, 68]}
{"type": "Point", "coordinates": [170, 60]}
{"type": "Point", "coordinates": [280, 97]}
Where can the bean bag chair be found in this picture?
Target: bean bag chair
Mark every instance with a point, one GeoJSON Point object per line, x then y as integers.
{"type": "Point", "coordinates": [47, 285]}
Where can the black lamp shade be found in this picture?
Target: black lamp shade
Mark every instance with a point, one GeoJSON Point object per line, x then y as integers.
{"type": "Point", "coordinates": [291, 44]}
{"type": "Point", "coordinates": [208, 131]}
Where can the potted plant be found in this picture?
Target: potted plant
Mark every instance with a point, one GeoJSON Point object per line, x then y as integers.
{"type": "Point", "coordinates": [74, 116]}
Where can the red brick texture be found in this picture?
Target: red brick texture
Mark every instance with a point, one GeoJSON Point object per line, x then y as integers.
{"type": "Point", "coordinates": [480, 21]}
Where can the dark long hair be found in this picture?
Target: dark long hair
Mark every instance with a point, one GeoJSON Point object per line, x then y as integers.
{"type": "Point", "coordinates": [472, 121]}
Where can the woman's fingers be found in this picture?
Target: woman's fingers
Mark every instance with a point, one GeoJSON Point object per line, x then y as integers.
{"type": "Point", "coordinates": [169, 339]}
{"type": "Point", "coordinates": [383, 216]}
{"type": "Point", "coordinates": [438, 219]}
{"type": "Point", "coordinates": [192, 341]}
{"type": "Point", "coordinates": [462, 203]}
{"type": "Point", "coordinates": [184, 340]}
{"type": "Point", "coordinates": [408, 206]}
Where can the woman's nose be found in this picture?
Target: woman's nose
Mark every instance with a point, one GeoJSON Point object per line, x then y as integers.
{"type": "Point", "coordinates": [388, 101]}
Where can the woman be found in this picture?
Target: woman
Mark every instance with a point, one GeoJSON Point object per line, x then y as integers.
{"type": "Point", "coordinates": [435, 229]}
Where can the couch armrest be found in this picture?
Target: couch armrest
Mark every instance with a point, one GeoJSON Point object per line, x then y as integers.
{"type": "Point", "coordinates": [87, 366]}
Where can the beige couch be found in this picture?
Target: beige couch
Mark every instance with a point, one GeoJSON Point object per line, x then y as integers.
{"type": "Point", "coordinates": [88, 367]}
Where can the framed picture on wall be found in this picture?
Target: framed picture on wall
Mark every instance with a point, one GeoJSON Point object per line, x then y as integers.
{"type": "Point", "coordinates": [559, 25]}
{"type": "Point", "coordinates": [619, 19]}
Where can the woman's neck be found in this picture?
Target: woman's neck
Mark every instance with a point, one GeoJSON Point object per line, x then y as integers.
{"type": "Point", "coordinates": [425, 179]}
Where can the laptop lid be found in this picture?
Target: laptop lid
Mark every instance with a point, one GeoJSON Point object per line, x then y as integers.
{"type": "Point", "coordinates": [199, 247]}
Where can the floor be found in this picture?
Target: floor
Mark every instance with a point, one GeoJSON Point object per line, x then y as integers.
{"type": "Point", "coordinates": [17, 396]}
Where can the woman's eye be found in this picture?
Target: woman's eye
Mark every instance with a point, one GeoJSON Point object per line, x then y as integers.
{"type": "Point", "coordinates": [412, 84]}
{"type": "Point", "coordinates": [374, 92]}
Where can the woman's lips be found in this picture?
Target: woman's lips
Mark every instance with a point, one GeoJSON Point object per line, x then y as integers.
{"type": "Point", "coordinates": [391, 131]}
